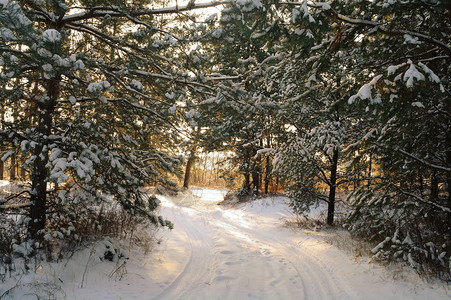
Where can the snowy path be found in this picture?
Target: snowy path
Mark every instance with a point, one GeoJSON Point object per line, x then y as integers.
{"type": "Point", "coordinates": [218, 253]}
{"type": "Point", "coordinates": [244, 253]}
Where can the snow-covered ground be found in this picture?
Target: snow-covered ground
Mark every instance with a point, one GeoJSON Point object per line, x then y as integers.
{"type": "Point", "coordinates": [231, 253]}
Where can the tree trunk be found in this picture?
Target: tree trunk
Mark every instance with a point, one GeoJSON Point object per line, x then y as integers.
{"type": "Point", "coordinates": [357, 181]}
{"type": "Point", "coordinates": [256, 170]}
{"type": "Point", "coordinates": [246, 171]}
{"type": "Point", "coordinates": [268, 167]}
{"type": "Point", "coordinates": [189, 165]}
{"type": "Point", "coordinates": [39, 183]}
{"type": "Point", "coordinates": [256, 180]}
{"type": "Point", "coordinates": [38, 209]}
{"type": "Point", "coordinates": [333, 186]}
{"type": "Point", "coordinates": [370, 167]}
{"type": "Point", "coordinates": [1, 169]}
{"type": "Point", "coordinates": [267, 172]}
{"type": "Point", "coordinates": [23, 173]}
{"type": "Point", "coordinates": [421, 182]}
{"type": "Point", "coordinates": [12, 170]}
{"type": "Point", "coordinates": [247, 181]}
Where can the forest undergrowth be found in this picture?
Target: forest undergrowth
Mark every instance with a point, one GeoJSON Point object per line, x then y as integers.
{"type": "Point", "coordinates": [80, 227]}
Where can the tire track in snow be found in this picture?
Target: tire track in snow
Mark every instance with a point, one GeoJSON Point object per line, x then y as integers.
{"type": "Point", "coordinates": [224, 250]}
{"type": "Point", "coordinates": [318, 280]}
{"type": "Point", "coordinates": [200, 260]}
{"type": "Point", "coordinates": [285, 284]}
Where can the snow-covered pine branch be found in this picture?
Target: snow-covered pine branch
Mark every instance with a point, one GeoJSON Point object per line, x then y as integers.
{"type": "Point", "coordinates": [375, 27]}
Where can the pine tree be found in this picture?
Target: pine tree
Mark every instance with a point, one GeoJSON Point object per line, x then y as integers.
{"type": "Point", "coordinates": [240, 117]}
{"type": "Point", "coordinates": [311, 80]}
{"type": "Point", "coordinates": [403, 102]}
{"type": "Point", "coordinates": [100, 83]}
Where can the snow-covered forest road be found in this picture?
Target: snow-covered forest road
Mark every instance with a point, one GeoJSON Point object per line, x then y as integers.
{"type": "Point", "coordinates": [245, 253]}
{"type": "Point", "coordinates": [216, 252]}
